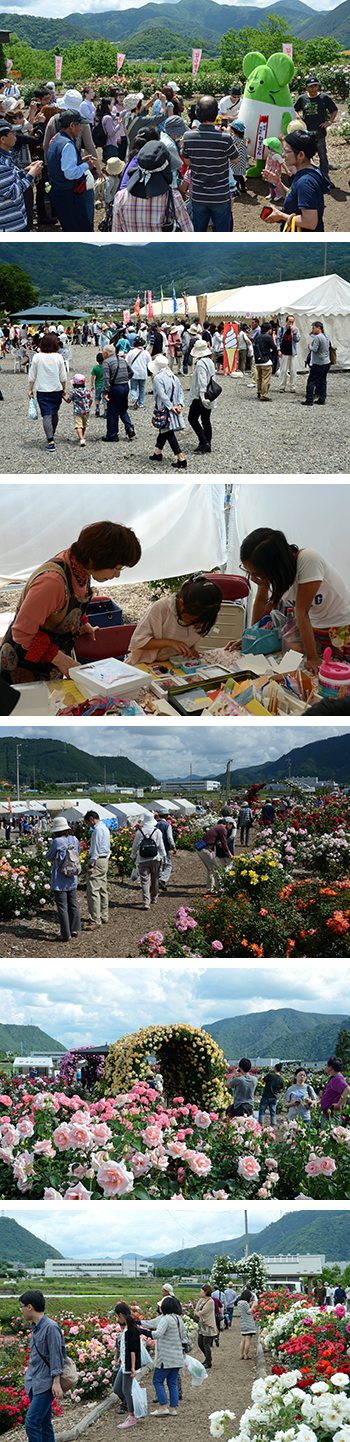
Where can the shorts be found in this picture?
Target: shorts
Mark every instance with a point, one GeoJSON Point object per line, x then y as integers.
{"type": "Point", "coordinates": [80, 423]}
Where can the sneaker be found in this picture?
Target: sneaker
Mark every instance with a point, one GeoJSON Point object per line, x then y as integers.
{"type": "Point", "coordinates": [51, 447]}
{"type": "Point", "coordinates": [130, 1422]}
{"type": "Point", "coordinates": [130, 433]}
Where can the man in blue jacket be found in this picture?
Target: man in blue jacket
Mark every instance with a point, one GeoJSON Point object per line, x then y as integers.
{"type": "Point", "coordinates": [72, 201]}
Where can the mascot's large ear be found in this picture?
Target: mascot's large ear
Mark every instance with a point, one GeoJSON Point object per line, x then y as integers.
{"type": "Point", "coordinates": [282, 67]}
{"type": "Point", "coordinates": [251, 60]}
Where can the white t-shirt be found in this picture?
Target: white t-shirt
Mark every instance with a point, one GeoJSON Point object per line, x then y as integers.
{"type": "Point", "coordinates": [331, 604]}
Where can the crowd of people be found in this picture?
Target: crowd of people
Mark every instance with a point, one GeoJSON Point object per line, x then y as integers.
{"type": "Point", "coordinates": [126, 356]}
{"type": "Point", "coordinates": [299, 1098]}
{"type": "Point", "coordinates": [153, 164]}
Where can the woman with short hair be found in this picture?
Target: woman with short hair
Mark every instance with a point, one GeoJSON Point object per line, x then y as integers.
{"type": "Point", "coordinates": [48, 376]}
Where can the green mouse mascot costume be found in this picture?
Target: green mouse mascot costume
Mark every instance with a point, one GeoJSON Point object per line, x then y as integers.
{"type": "Point", "coordinates": [266, 108]}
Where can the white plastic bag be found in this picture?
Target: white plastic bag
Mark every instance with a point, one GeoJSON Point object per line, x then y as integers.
{"type": "Point", "coordinates": [145, 1356]}
{"type": "Point", "coordinates": [139, 1399]}
{"type": "Point", "coordinates": [196, 1370]}
{"type": "Point", "coordinates": [33, 409]}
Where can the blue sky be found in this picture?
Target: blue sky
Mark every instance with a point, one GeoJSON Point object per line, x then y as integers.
{"type": "Point", "coordinates": [78, 1005]}
{"type": "Point", "coordinates": [168, 750]}
{"type": "Point", "coordinates": [111, 1231]}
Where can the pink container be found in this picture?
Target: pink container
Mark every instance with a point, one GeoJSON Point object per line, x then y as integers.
{"type": "Point", "coordinates": [333, 677]}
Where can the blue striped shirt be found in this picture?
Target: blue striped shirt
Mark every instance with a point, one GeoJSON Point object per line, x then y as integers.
{"type": "Point", "coordinates": [13, 183]}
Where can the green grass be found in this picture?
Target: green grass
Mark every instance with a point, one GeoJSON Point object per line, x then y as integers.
{"type": "Point", "coordinates": [83, 1301]}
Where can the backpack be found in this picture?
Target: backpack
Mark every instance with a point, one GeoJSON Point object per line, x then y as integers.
{"type": "Point", "coordinates": [70, 866]}
{"type": "Point", "coordinates": [148, 849]}
{"type": "Point", "coordinates": [99, 135]}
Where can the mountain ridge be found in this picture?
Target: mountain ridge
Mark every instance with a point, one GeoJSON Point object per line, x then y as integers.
{"type": "Point", "coordinates": [283, 1032]}
{"type": "Point", "coordinates": [317, 1232]}
{"type": "Point", "coordinates": [59, 761]}
{"type": "Point", "coordinates": [31, 1038]}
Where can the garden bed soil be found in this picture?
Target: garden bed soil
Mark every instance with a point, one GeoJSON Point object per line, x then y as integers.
{"type": "Point", "coordinates": [229, 1385]}
{"type": "Point", "coordinates": [39, 935]}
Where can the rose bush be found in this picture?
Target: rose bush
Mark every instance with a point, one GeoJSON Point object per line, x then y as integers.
{"type": "Point", "coordinates": [24, 888]}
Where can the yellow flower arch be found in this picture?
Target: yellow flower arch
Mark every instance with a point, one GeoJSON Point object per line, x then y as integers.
{"type": "Point", "coordinates": [191, 1063]}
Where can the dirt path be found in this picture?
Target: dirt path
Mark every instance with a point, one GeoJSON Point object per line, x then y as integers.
{"type": "Point", "coordinates": [228, 1384]}
{"type": "Point", "coordinates": [38, 936]}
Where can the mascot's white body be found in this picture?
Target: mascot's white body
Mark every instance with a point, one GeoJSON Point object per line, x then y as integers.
{"type": "Point", "coordinates": [250, 112]}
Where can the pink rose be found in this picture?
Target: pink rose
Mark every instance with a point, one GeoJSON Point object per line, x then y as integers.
{"type": "Point", "coordinates": [217, 946]}
{"type": "Point", "coordinates": [5, 1101]}
{"type": "Point", "coordinates": [77, 1194]}
{"type": "Point", "coordinates": [9, 1136]}
{"type": "Point", "coordinates": [152, 1136]}
{"type": "Point", "coordinates": [6, 1155]}
{"type": "Point", "coordinates": [177, 1149]}
{"type": "Point", "coordinates": [115, 1179]}
{"type": "Point", "coordinates": [101, 1132]}
{"type": "Point", "coordinates": [61, 1137]}
{"type": "Point", "coordinates": [200, 1165]}
{"type": "Point", "coordinates": [44, 1147]}
{"type": "Point", "coordinates": [50, 1195]}
{"type": "Point", "coordinates": [140, 1163]}
{"type": "Point", "coordinates": [248, 1168]}
{"type": "Point", "coordinates": [79, 1135]}
{"type": "Point", "coordinates": [202, 1120]}
{"type": "Point", "coordinates": [221, 1196]}
{"type": "Point", "coordinates": [313, 1167]}
{"type": "Point", "coordinates": [271, 1163]}
{"type": "Point", "coordinates": [25, 1127]}
{"type": "Point", "coordinates": [327, 1166]}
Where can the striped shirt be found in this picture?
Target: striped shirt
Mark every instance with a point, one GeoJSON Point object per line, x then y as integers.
{"type": "Point", "coordinates": [239, 166]}
{"type": "Point", "coordinates": [209, 152]}
{"type": "Point", "coordinates": [13, 183]}
{"type": "Point", "coordinates": [132, 214]}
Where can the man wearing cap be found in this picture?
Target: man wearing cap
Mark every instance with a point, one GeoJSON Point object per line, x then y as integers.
{"type": "Point", "coordinates": [72, 201]}
{"type": "Point", "coordinates": [229, 105]}
{"type": "Point", "coordinates": [209, 152]}
{"type": "Point", "coordinates": [72, 100]}
{"type": "Point", "coordinates": [149, 202]}
{"type": "Point", "coordinates": [318, 110]}
{"type": "Point", "coordinates": [13, 182]}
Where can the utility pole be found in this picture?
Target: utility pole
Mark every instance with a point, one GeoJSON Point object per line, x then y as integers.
{"type": "Point", "coordinates": [104, 773]}
{"type": "Point", "coordinates": [18, 753]}
{"type": "Point", "coordinates": [246, 1234]}
{"type": "Point", "coordinates": [34, 777]}
{"type": "Point", "coordinates": [190, 778]}
{"type": "Point", "coordinates": [227, 780]}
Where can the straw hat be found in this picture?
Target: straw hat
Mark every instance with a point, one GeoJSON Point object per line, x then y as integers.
{"type": "Point", "coordinates": [200, 349]}
{"type": "Point", "coordinates": [193, 330]}
{"type": "Point", "coordinates": [114, 165]}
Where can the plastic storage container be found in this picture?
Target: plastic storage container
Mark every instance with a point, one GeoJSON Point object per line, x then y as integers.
{"type": "Point", "coordinates": [102, 611]}
{"type": "Point", "coordinates": [108, 678]}
{"type": "Point", "coordinates": [333, 677]}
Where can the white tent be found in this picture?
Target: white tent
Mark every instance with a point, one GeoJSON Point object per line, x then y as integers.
{"type": "Point", "coordinates": [181, 528]}
{"type": "Point", "coordinates": [130, 812]}
{"type": "Point", "coordinates": [309, 514]}
{"type": "Point", "coordinates": [185, 807]}
{"type": "Point", "coordinates": [325, 298]}
{"type": "Point", "coordinates": [165, 807]}
{"type": "Point", "coordinates": [76, 810]}
{"type": "Point", "coordinates": [165, 310]}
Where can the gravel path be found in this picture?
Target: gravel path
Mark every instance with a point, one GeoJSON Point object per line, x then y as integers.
{"type": "Point", "coordinates": [228, 1384]}
{"type": "Point", "coordinates": [280, 440]}
{"type": "Point", "coordinates": [134, 600]}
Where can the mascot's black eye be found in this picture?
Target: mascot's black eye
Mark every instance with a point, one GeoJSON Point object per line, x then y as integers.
{"type": "Point", "coordinates": [261, 82]}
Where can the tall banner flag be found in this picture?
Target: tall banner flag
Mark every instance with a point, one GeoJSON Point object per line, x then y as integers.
{"type": "Point", "coordinates": [231, 333]}
{"type": "Point", "coordinates": [137, 306]}
{"type": "Point", "coordinates": [9, 64]}
{"type": "Point", "coordinates": [288, 49]}
{"type": "Point", "coordinates": [149, 304]}
{"type": "Point", "coordinates": [159, 72]}
{"type": "Point", "coordinates": [161, 302]}
{"type": "Point", "coordinates": [145, 303]}
{"type": "Point", "coordinates": [120, 59]}
{"type": "Point", "coordinates": [174, 298]}
{"type": "Point", "coordinates": [9, 803]}
{"type": "Point", "coordinates": [187, 308]}
{"type": "Point", "coordinates": [196, 60]}
{"type": "Point", "coordinates": [126, 317]}
{"type": "Point", "coordinates": [58, 66]}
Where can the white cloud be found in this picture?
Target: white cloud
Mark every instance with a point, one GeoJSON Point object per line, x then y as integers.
{"type": "Point", "coordinates": [147, 1230]}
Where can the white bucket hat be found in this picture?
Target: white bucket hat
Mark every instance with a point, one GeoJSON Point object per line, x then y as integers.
{"type": "Point", "coordinates": [59, 824]}
{"type": "Point", "coordinates": [72, 100]}
{"type": "Point", "coordinates": [200, 349]}
{"type": "Point", "coordinates": [132, 100]}
{"type": "Point", "coordinates": [160, 363]}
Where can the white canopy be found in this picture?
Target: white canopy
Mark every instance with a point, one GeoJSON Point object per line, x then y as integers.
{"type": "Point", "coordinates": [309, 514]}
{"type": "Point", "coordinates": [181, 528]}
{"type": "Point", "coordinates": [185, 807]}
{"type": "Point", "coordinates": [22, 808]}
{"type": "Point", "coordinates": [130, 812]}
{"type": "Point", "coordinates": [167, 807]}
{"type": "Point", "coordinates": [165, 311]}
{"type": "Point", "coordinates": [325, 298]}
{"type": "Point", "coordinates": [76, 810]}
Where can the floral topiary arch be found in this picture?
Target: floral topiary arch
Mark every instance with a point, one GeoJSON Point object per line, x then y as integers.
{"type": "Point", "coordinates": [190, 1062]}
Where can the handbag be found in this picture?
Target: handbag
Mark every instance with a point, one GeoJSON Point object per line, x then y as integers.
{"type": "Point", "coordinates": [69, 1374]}
{"type": "Point", "coordinates": [161, 415]}
{"type": "Point", "coordinates": [170, 221]}
{"type": "Point", "coordinates": [291, 226]}
{"type": "Point", "coordinates": [258, 641]}
{"type": "Point", "coordinates": [33, 409]}
{"type": "Point", "coordinates": [332, 354]}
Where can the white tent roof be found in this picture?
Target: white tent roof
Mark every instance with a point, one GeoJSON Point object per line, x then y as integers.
{"type": "Point", "coordinates": [186, 807]}
{"type": "Point", "coordinates": [167, 313]}
{"type": "Point", "coordinates": [130, 812]}
{"type": "Point", "coordinates": [327, 295]}
{"type": "Point", "coordinates": [166, 806]}
{"type": "Point", "coordinates": [76, 810]}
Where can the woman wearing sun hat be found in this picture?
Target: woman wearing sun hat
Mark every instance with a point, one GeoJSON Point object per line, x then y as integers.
{"type": "Point", "coordinates": [64, 852]}
{"type": "Point", "coordinates": [199, 414]}
{"type": "Point", "coordinates": [169, 401]}
{"type": "Point", "coordinates": [150, 202]}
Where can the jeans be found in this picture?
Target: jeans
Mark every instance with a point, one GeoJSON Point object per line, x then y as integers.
{"type": "Point", "coordinates": [38, 1423]}
{"type": "Point", "coordinates": [199, 419]}
{"type": "Point", "coordinates": [322, 151]}
{"type": "Point", "coordinates": [219, 215]}
{"type": "Point", "coordinates": [229, 1313]}
{"type": "Point", "coordinates": [149, 878]}
{"type": "Point", "coordinates": [170, 1375]}
{"type": "Point", "coordinates": [317, 380]}
{"type": "Point", "coordinates": [117, 406]}
{"type": "Point", "coordinates": [97, 891]}
{"type": "Point", "coordinates": [167, 869]}
{"type": "Point", "coordinates": [140, 387]}
{"type": "Point", "coordinates": [264, 1106]}
{"type": "Point", "coordinates": [68, 913]}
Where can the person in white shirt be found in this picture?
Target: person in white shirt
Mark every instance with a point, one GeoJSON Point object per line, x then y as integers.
{"type": "Point", "coordinates": [301, 579]}
{"type": "Point", "coordinates": [149, 850]}
{"type": "Point", "coordinates": [87, 108]}
{"type": "Point", "coordinates": [97, 872]}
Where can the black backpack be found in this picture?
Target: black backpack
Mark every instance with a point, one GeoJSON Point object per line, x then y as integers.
{"type": "Point", "coordinates": [99, 135]}
{"type": "Point", "coordinates": [148, 849]}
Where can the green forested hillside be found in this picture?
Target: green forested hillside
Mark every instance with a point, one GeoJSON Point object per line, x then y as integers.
{"type": "Point", "coordinates": [30, 1038]}
{"type": "Point", "coordinates": [57, 761]}
{"type": "Point", "coordinates": [329, 760]}
{"type": "Point", "coordinates": [45, 34]}
{"type": "Point", "coordinates": [115, 271]}
{"type": "Point", "coordinates": [327, 1233]}
{"type": "Point", "coordinates": [284, 1033]}
{"type": "Point", "coordinates": [19, 1245]}
{"type": "Point", "coordinates": [201, 20]}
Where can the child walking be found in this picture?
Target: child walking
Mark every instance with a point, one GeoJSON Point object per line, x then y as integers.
{"type": "Point", "coordinates": [97, 384]}
{"type": "Point", "coordinates": [81, 399]}
{"type": "Point", "coordinates": [175, 624]}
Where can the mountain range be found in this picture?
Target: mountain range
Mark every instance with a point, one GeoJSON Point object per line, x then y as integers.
{"type": "Point", "coordinates": [296, 1232]}
{"type": "Point", "coordinates": [80, 271]}
{"type": "Point", "coordinates": [29, 1039]}
{"type": "Point", "coordinates": [284, 1033]}
{"type": "Point", "coordinates": [173, 26]}
{"type": "Point", "coordinates": [329, 760]}
{"type": "Point", "coordinates": [57, 761]}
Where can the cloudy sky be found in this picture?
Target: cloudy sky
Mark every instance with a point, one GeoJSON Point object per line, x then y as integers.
{"type": "Point", "coordinates": [167, 751]}
{"type": "Point", "coordinates": [148, 1231]}
{"type": "Point", "coordinates": [79, 1006]}
{"type": "Point", "coordinates": [65, 7]}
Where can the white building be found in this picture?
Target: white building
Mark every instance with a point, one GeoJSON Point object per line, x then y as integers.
{"type": "Point", "coordinates": [294, 1268]}
{"type": "Point", "coordinates": [90, 1267]}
